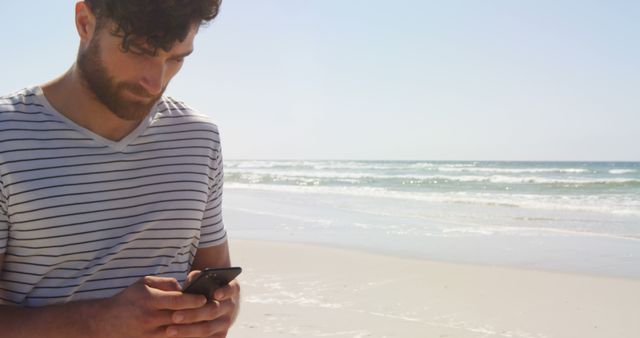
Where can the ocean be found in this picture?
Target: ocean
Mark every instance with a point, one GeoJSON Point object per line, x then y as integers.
{"type": "Point", "coordinates": [569, 216]}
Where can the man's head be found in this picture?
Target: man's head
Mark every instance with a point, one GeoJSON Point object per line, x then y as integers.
{"type": "Point", "coordinates": [131, 49]}
{"type": "Point", "coordinates": [148, 25]}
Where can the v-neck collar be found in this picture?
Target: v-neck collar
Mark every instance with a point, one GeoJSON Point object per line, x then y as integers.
{"type": "Point", "coordinates": [115, 145]}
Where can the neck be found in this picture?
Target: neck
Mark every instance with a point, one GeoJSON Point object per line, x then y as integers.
{"type": "Point", "coordinates": [69, 96]}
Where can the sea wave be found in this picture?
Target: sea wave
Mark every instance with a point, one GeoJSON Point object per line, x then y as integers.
{"type": "Point", "coordinates": [617, 205]}
{"type": "Point", "coordinates": [431, 165]}
{"type": "Point", "coordinates": [622, 171]}
{"type": "Point", "coordinates": [256, 176]}
{"type": "Point", "coordinates": [425, 166]}
{"type": "Point", "coordinates": [513, 230]}
{"type": "Point", "coordinates": [515, 170]}
{"type": "Point", "coordinates": [317, 165]}
{"type": "Point", "coordinates": [308, 174]}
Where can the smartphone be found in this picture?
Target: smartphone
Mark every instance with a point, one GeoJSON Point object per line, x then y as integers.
{"type": "Point", "coordinates": [211, 279]}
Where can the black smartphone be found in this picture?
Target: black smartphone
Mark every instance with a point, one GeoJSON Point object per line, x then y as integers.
{"type": "Point", "coordinates": [211, 279]}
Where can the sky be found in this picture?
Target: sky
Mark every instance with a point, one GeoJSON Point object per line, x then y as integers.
{"type": "Point", "coordinates": [390, 80]}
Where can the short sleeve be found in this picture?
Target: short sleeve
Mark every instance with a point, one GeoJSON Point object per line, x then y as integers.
{"type": "Point", "coordinates": [213, 232]}
{"type": "Point", "coordinates": [4, 220]}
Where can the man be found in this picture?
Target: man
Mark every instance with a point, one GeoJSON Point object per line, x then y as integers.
{"type": "Point", "coordinates": [110, 193]}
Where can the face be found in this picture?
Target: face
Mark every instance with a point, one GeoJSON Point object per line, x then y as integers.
{"type": "Point", "coordinates": [129, 84]}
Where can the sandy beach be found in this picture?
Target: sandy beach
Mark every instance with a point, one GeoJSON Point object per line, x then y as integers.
{"type": "Point", "coordinates": [297, 290]}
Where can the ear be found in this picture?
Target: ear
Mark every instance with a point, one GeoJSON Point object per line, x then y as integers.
{"type": "Point", "coordinates": [85, 22]}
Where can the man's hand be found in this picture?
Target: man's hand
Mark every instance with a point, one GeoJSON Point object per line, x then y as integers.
{"type": "Point", "coordinates": [212, 320]}
{"type": "Point", "coordinates": [151, 307]}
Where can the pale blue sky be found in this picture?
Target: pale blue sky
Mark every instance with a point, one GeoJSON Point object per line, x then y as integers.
{"type": "Point", "coordinates": [403, 79]}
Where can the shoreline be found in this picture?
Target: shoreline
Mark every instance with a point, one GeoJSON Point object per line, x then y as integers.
{"type": "Point", "coordinates": [410, 256]}
{"type": "Point", "coordinates": [301, 290]}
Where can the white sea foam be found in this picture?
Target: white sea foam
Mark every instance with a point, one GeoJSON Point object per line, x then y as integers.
{"type": "Point", "coordinates": [381, 165]}
{"type": "Point", "coordinates": [256, 176]}
{"type": "Point", "coordinates": [421, 165]}
{"type": "Point", "coordinates": [484, 230]}
{"type": "Point", "coordinates": [545, 180]}
{"type": "Point", "coordinates": [622, 171]}
{"type": "Point", "coordinates": [284, 174]}
{"type": "Point", "coordinates": [515, 170]}
{"type": "Point", "coordinates": [514, 179]}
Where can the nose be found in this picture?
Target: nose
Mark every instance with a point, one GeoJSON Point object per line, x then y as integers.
{"type": "Point", "coordinates": [153, 78]}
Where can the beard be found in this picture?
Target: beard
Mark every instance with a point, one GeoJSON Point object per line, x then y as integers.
{"type": "Point", "coordinates": [108, 91]}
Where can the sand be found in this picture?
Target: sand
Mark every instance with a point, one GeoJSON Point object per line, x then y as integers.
{"type": "Point", "coordinates": [296, 290]}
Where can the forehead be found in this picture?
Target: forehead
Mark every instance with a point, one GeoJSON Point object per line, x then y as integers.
{"type": "Point", "coordinates": [141, 44]}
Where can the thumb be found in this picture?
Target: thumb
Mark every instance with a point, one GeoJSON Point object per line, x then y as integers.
{"type": "Point", "coordinates": [192, 275]}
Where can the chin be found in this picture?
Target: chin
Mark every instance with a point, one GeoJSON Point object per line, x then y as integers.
{"type": "Point", "coordinates": [131, 113]}
{"type": "Point", "coordinates": [132, 110]}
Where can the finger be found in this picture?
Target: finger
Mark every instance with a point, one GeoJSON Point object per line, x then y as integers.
{"type": "Point", "coordinates": [162, 283]}
{"type": "Point", "coordinates": [160, 319]}
{"type": "Point", "coordinates": [192, 275]}
{"type": "Point", "coordinates": [202, 329]}
{"type": "Point", "coordinates": [209, 312]}
{"type": "Point", "coordinates": [227, 292]}
{"type": "Point", "coordinates": [163, 300]}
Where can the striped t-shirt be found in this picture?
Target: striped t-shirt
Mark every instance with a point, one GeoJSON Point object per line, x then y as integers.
{"type": "Point", "coordinates": [84, 217]}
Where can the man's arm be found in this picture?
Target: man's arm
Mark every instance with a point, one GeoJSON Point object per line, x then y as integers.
{"type": "Point", "coordinates": [212, 257]}
{"type": "Point", "coordinates": [70, 320]}
{"type": "Point", "coordinates": [144, 309]}
{"type": "Point", "coordinates": [64, 321]}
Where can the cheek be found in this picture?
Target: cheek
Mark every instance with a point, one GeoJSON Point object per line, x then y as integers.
{"type": "Point", "coordinates": [121, 69]}
{"type": "Point", "coordinates": [172, 69]}
{"type": "Point", "coordinates": [117, 64]}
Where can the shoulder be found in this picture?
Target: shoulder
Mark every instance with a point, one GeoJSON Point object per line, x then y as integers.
{"type": "Point", "coordinates": [19, 101]}
{"type": "Point", "coordinates": [177, 121]}
{"type": "Point", "coordinates": [23, 109]}
{"type": "Point", "coordinates": [172, 112]}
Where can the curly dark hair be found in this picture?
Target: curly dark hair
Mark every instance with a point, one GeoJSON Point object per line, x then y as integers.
{"type": "Point", "coordinates": [147, 25]}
